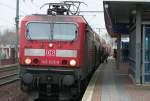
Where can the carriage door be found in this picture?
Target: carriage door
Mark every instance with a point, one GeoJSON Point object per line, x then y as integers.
{"type": "Point", "coordinates": [146, 55]}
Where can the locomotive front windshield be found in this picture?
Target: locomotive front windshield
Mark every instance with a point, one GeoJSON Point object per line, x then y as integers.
{"type": "Point", "coordinates": [51, 31]}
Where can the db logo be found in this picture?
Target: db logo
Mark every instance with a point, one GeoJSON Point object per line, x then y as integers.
{"type": "Point", "coordinates": [50, 52]}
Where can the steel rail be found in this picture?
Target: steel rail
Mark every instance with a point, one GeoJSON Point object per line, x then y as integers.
{"type": "Point", "coordinates": [7, 79]}
{"type": "Point", "coordinates": [8, 68]}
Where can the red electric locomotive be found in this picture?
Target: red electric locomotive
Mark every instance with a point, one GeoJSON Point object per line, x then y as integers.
{"type": "Point", "coordinates": [57, 50]}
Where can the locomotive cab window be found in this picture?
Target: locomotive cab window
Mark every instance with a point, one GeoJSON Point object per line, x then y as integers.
{"type": "Point", "coordinates": [51, 31]}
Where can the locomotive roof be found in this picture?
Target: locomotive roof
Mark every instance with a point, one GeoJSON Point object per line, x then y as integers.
{"type": "Point", "coordinates": [57, 18]}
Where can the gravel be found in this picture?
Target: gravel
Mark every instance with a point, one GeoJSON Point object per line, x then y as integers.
{"type": "Point", "coordinates": [12, 92]}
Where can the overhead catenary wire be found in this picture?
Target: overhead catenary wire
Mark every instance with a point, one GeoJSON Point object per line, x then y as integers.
{"type": "Point", "coordinates": [10, 7]}
{"type": "Point", "coordinates": [26, 5]}
{"type": "Point", "coordinates": [37, 7]}
{"type": "Point", "coordinates": [91, 11]}
{"type": "Point", "coordinates": [26, 11]}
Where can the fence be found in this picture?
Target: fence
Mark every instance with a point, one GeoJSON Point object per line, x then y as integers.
{"type": "Point", "coordinates": [7, 55]}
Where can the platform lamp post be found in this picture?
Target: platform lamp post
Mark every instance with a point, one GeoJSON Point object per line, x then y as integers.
{"type": "Point", "coordinates": [17, 27]}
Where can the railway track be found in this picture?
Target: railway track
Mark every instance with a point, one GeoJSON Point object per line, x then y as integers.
{"type": "Point", "coordinates": [7, 79]}
{"type": "Point", "coordinates": [8, 68]}
{"type": "Point", "coordinates": [10, 74]}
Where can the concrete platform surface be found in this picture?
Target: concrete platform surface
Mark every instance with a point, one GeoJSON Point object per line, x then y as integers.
{"type": "Point", "coordinates": [109, 84]}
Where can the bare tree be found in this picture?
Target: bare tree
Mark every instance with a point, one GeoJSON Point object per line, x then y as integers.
{"type": "Point", "coordinates": [8, 37]}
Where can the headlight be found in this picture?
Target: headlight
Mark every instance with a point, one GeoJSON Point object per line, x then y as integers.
{"type": "Point", "coordinates": [50, 45]}
{"type": "Point", "coordinates": [73, 62]}
{"type": "Point", "coordinates": [27, 60]}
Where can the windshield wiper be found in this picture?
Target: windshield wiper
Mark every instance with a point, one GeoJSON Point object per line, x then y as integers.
{"type": "Point", "coordinates": [52, 30]}
{"type": "Point", "coordinates": [75, 36]}
{"type": "Point", "coordinates": [28, 35]}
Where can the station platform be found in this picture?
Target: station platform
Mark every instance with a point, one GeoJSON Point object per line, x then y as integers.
{"type": "Point", "coordinates": [110, 84]}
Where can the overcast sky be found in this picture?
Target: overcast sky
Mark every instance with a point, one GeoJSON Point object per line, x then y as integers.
{"type": "Point", "coordinates": [8, 12]}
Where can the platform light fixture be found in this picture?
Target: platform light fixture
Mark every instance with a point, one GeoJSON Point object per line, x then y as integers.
{"type": "Point", "coordinates": [106, 6]}
{"type": "Point", "coordinates": [133, 12]}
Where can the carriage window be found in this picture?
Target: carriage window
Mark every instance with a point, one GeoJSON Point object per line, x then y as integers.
{"type": "Point", "coordinates": [51, 31]}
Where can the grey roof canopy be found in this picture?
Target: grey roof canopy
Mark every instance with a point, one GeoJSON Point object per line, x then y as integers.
{"type": "Point", "coordinates": [118, 12]}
